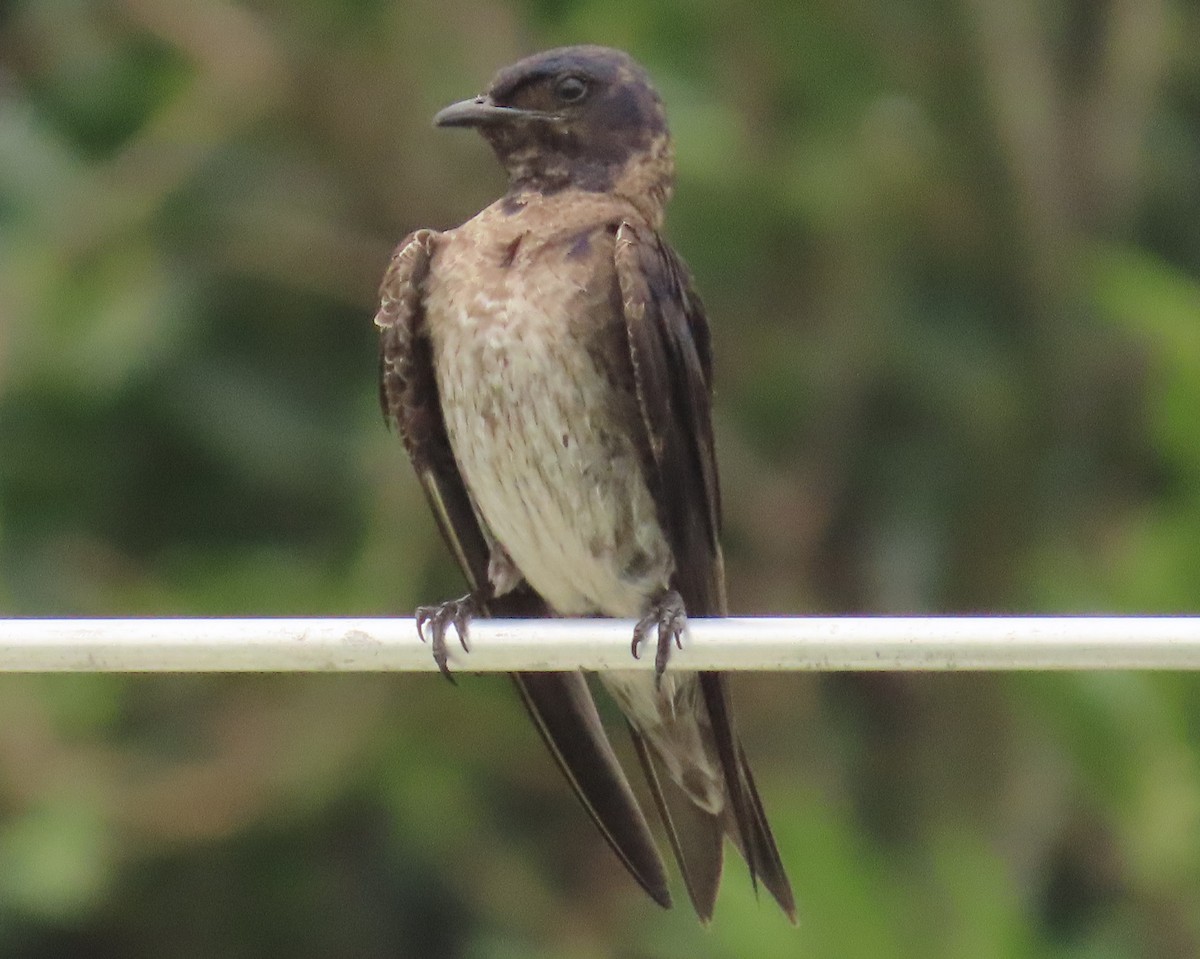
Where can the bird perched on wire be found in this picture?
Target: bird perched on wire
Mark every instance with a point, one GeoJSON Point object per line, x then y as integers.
{"type": "Point", "coordinates": [548, 366]}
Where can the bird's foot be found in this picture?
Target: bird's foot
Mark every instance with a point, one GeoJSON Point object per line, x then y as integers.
{"type": "Point", "coordinates": [457, 613]}
{"type": "Point", "coordinates": [667, 615]}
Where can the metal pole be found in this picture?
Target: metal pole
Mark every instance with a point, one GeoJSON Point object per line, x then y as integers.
{"type": "Point", "coordinates": [799, 643]}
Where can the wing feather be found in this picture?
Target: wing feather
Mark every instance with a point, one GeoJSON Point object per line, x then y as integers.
{"type": "Point", "coordinates": [671, 360]}
{"type": "Point", "coordinates": [409, 396]}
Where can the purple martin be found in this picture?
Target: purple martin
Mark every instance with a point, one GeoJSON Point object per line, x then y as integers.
{"type": "Point", "coordinates": [548, 367]}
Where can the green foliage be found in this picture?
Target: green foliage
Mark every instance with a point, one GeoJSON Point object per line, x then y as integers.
{"type": "Point", "coordinates": [951, 256]}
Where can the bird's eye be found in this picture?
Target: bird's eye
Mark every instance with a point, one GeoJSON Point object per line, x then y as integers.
{"type": "Point", "coordinates": [570, 89]}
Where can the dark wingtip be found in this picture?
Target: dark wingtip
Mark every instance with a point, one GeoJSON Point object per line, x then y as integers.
{"type": "Point", "coordinates": [561, 707]}
{"type": "Point", "coordinates": [768, 862]}
{"type": "Point", "coordinates": [749, 829]}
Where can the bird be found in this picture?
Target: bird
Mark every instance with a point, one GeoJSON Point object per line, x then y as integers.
{"type": "Point", "coordinates": [548, 366]}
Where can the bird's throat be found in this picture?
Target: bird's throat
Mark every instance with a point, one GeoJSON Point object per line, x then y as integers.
{"type": "Point", "coordinates": [644, 179]}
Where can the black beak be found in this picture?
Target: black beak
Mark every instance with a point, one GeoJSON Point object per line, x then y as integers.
{"type": "Point", "coordinates": [481, 111]}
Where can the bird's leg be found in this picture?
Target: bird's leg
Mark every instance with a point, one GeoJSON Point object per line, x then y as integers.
{"type": "Point", "coordinates": [668, 614]}
{"type": "Point", "coordinates": [457, 613]}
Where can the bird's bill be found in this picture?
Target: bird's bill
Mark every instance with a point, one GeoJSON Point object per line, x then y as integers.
{"type": "Point", "coordinates": [481, 111]}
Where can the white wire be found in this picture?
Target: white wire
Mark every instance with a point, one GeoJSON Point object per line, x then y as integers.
{"type": "Point", "coordinates": [816, 643]}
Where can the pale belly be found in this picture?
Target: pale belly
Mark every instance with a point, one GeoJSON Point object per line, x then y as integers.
{"type": "Point", "coordinates": [559, 486]}
{"type": "Point", "coordinates": [552, 473]}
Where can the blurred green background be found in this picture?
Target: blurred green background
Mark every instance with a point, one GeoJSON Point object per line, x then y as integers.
{"type": "Point", "coordinates": [950, 251]}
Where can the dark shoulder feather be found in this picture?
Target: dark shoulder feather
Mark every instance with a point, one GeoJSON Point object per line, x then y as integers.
{"type": "Point", "coordinates": [409, 396]}
{"type": "Point", "coordinates": [671, 359]}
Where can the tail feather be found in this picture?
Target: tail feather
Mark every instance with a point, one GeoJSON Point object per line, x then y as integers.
{"type": "Point", "coordinates": [696, 836]}
{"type": "Point", "coordinates": [682, 762]}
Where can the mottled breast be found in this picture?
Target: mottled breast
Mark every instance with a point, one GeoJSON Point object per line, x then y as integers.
{"type": "Point", "coordinates": [532, 367]}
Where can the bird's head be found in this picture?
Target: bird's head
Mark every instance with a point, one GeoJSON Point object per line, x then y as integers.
{"type": "Point", "coordinates": [584, 117]}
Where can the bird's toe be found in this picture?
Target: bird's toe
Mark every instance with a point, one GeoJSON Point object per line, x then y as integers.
{"type": "Point", "coordinates": [438, 620]}
{"type": "Point", "coordinates": [667, 617]}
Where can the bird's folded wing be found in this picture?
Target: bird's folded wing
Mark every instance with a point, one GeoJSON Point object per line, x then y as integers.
{"type": "Point", "coordinates": [671, 360]}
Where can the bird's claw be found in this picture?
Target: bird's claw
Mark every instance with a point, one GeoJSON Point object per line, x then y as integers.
{"type": "Point", "coordinates": [668, 616]}
{"type": "Point", "coordinates": [457, 613]}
